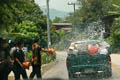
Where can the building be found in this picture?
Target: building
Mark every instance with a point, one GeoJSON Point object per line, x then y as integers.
{"type": "Point", "coordinates": [63, 26]}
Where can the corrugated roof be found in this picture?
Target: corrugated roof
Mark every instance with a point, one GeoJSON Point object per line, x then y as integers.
{"type": "Point", "coordinates": [64, 24]}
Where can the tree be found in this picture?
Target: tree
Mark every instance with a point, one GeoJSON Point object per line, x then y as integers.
{"type": "Point", "coordinates": [57, 20]}
{"type": "Point", "coordinates": [26, 27]}
{"type": "Point", "coordinates": [10, 11]}
{"type": "Point", "coordinates": [91, 10]}
{"type": "Point", "coordinates": [24, 17]}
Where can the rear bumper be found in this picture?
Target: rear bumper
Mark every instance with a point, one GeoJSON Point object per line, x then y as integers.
{"type": "Point", "coordinates": [94, 68]}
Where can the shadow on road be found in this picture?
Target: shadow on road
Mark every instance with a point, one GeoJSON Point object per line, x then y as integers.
{"type": "Point", "coordinates": [53, 79]}
{"type": "Point", "coordinates": [82, 78]}
{"type": "Point", "coordinates": [92, 77]}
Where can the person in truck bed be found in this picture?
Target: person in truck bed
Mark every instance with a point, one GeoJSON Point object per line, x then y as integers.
{"type": "Point", "coordinates": [93, 49]}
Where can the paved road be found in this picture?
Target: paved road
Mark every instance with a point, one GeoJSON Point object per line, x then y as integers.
{"type": "Point", "coordinates": [59, 71]}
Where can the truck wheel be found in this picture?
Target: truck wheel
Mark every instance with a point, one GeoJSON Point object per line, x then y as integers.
{"type": "Point", "coordinates": [71, 76]}
{"type": "Point", "coordinates": [108, 73]}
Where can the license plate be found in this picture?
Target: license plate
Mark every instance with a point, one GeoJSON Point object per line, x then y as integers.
{"type": "Point", "coordinates": [89, 70]}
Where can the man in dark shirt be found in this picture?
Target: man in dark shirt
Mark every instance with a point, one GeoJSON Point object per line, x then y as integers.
{"type": "Point", "coordinates": [19, 58]}
{"type": "Point", "coordinates": [4, 60]}
{"type": "Point", "coordinates": [36, 60]}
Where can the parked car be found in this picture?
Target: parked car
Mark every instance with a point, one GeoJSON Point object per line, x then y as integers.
{"type": "Point", "coordinates": [80, 62]}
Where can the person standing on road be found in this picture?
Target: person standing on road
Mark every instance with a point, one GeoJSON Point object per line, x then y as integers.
{"type": "Point", "coordinates": [12, 60]}
{"type": "Point", "coordinates": [36, 60]}
{"type": "Point", "coordinates": [4, 60]}
{"type": "Point", "coordinates": [19, 58]}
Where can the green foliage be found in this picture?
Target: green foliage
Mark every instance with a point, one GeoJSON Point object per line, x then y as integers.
{"type": "Point", "coordinates": [24, 18]}
{"type": "Point", "coordinates": [114, 38]}
{"type": "Point", "coordinates": [69, 18]}
{"type": "Point", "coordinates": [115, 7]}
{"type": "Point", "coordinates": [29, 55]}
{"type": "Point", "coordinates": [116, 2]}
{"type": "Point", "coordinates": [90, 10]}
{"type": "Point", "coordinates": [115, 29]}
{"type": "Point", "coordinates": [62, 40]}
{"type": "Point", "coordinates": [11, 10]}
{"type": "Point", "coordinates": [57, 20]}
{"type": "Point", "coordinates": [45, 57]}
{"type": "Point", "coordinates": [26, 27]}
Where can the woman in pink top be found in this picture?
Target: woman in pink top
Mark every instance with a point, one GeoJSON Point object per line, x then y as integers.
{"type": "Point", "coordinates": [93, 49]}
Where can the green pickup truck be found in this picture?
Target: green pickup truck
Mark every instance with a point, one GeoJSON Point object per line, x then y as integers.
{"type": "Point", "coordinates": [80, 62]}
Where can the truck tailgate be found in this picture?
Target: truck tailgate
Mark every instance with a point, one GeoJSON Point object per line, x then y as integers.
{"type": "Point", "coordinates": [88, 60]}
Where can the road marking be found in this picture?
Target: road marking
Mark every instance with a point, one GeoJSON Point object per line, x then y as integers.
{"type": "Point", "coordinates": [115, 68]}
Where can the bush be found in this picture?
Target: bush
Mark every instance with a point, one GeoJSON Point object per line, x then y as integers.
{"type": "Point", "coordinates": [114, 38]}
{"type": "Point", "coordinates": [29, 55]}
{"type": "Point", "coordinates": [45, 57]}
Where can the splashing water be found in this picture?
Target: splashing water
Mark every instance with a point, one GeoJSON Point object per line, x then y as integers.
{"type": "Point", "coordinates": [94, 30]}
{"type": "Point", "coordinates": [87, 31]}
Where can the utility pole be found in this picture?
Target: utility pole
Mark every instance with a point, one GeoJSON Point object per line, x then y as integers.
{"type": "Point", "coordinates": [74, 19]}
{"type": "Point", "coordinates": [48, 24]}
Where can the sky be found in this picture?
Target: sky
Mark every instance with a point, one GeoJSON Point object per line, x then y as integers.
{"type": "Point", "coordinates": [61, 5]}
